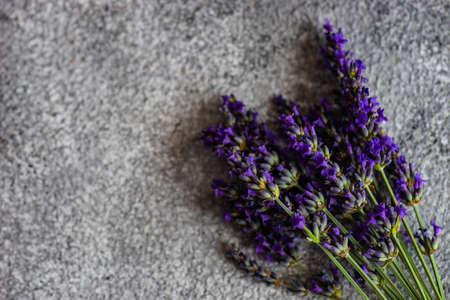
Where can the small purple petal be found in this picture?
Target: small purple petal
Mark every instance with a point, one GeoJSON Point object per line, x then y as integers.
{"type": "Point", "coordinates": [436, 228]}
{"type": "Point", "coordinates": [298, 221]}
{"type": "Point", "coordinates": [401, 211]}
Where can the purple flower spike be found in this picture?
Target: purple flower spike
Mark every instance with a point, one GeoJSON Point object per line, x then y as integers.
{"type": "Point", "coordinates": [361, 116]}
{"type": "Point", "coordinates": [327, 26]}
{"type": "Point", "coordinates": [298, 221]}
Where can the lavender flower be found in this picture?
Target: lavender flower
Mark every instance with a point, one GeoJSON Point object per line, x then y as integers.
{"type": "Point", "coordinates": [362, 122]}
{"type": "Point", "coordinates": [321, 284]}
{"type": "Point", "coordinates": [310, 180]}
{"type": "Point", "coordinates": [382, 251]}
{"type": "Point", "coordinates": [337, 243]}
{"type": "Point", "coordinates": [386, 220]}
{"type": "Point", "coordinates": [252, 267]}
{"type": "Point", "coordinates": [429, 240]}
{"type": "Point", "coordinates": [330, 187]}
{"type": "Point", "coordinates": [408, 184]}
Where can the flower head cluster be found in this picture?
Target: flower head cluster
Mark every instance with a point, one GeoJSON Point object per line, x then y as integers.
{"type": "Point", "coordinates": [325, 284]}
{"type": "Point", "coordinates": [429, 239]}
{"type": "Point", "coordinates": [361, 122]}
{"type": "Point", "coordinates": [408, 184]}
{"type": "Point", "coordinates": [320, 284]}
{"type": "Point", "coordinates": [313, 178]}
{"type": "Point", "coordinates": [258, 176]}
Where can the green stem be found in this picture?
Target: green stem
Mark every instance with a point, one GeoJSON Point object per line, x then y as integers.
{"type": "Point", "coordinates": [328, 253]}
{"type": "Point", "coordinates": [335, 221]}
{"type": "Point", "coordinates": [330, 256]}
{"type": "Point", "coordinates": [386, 182]}
{"type": "Point", "coordinates": [375, 202]}
{"type": "Point", "coordinates": [409, 267]}
{"type": "Point", "coordinates": [422, 260]}
{"type": "Point", "coordinates": [344, 272]}
{"type": "Point", "coordinates": [355, 242]}
{"type": "Point", "coordinates": [398, 272]}
{"type": "Point", "coordinates": [284, 207]}
{"type": "Point", "coordinates": [381, 272]}
{"type": "Point", "coordinates": [302, 268]}
{"type": "Point", "coordinates": [430, 255]}
{"type": "Point", "coordinates": [394, 289]}
{"type": "Point", "coordinates": [311, 236]}
{"type": "Point", "coordinates": [375, 184]}
{"type": "Point", "coordinates": [413, 264]}
{"type": "Point", "coordinates": [418, 217]}
{"type": "Point", "coordinates": [366, 277]}
{"type": "Point", "coordinates": [436, 274]}
{"type": "Point", "coordinates": [387, 289]}
{"type": "Point", "coordinates": [411, 236]}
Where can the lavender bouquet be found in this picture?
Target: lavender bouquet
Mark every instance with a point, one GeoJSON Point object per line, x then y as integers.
{"type": "Point", "coordinates": [332, 177]}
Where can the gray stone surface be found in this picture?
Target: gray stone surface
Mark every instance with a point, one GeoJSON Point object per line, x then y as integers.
{"type": "Point", "coordinates": [104, 185]}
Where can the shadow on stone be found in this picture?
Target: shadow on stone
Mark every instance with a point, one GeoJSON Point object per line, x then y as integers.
{"type": "Point", "coordinates": [196, 166]}
{"type": "Point", "coordinates": [314, 81]}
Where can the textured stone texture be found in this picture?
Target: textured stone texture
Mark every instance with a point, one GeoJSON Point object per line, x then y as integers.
{"type": "Point", "coordinates": [104, 185]}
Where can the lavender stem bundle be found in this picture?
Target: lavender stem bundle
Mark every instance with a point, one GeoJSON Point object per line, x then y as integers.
{"type": "Point", "coordinates": [329, 176]}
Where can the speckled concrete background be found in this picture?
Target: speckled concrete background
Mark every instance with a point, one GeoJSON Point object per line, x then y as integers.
{"type": "Point", "coordinates": [104, 185]}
